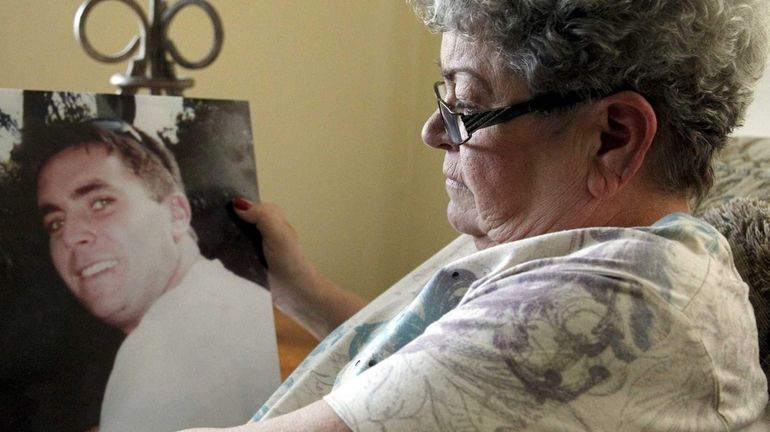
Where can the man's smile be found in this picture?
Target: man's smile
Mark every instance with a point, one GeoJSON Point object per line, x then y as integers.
{"type": "Point", "coordinates": [97, 267]}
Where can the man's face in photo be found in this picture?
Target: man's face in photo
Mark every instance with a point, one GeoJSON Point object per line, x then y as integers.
{"type": "Point", "coordinates": [113, 244]}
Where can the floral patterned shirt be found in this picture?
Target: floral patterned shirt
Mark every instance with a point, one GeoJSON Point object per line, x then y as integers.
{"type": "Point", "coordinates": [598, 329]}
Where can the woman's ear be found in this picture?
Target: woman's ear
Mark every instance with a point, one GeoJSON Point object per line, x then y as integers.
{"type": "Point", "coordinates": [626, 128]}
{"type": "Point", "coordinates": [181, 214]}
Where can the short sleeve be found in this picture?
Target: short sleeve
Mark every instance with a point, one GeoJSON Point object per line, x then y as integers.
{"type": "Point", "coordinates": [544, 350]}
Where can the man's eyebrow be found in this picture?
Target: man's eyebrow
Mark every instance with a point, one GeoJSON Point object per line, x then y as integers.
{"type": "Point", "coordinates": [47, 209]}
{"type": "Point", "coordinates": [93, 185]}
{"type": "Point", "coordinates": [87, 188]}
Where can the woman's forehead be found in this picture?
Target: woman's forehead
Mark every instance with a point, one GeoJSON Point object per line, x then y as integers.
{"type": "Point", "coordinates": [459, 54]}
{"type": "Point", "coordinates": [474, 62]}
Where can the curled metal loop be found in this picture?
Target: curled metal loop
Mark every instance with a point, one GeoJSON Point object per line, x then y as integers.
{"type": "Point", "coordinates": [153, 67]}
{"type": "Point", "coordinates": [216, 23]}
{"type": "Point", "coordinates": [137, 42]}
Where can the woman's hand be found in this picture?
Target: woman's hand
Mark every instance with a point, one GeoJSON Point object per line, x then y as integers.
{"type": "Point", "coordinates": [297, 288]}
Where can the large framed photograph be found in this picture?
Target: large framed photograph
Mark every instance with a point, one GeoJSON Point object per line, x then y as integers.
{"type": "Point", "coordinates": [132, 297]}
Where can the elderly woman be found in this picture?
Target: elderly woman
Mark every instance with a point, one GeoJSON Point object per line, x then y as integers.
{"type": "Point", "coordinates": [575, 133]}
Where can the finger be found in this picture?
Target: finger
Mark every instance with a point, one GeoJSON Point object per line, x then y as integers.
{"type": "Point", "coordinates": [260, 214]}
{"type": "Point", "coordinates": [244, 209]}
{"type": "Point", "coordinates": [268, 217]}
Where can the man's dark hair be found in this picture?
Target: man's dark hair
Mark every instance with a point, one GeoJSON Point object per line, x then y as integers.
{"type": "Point", "coordinates": [151, 161]}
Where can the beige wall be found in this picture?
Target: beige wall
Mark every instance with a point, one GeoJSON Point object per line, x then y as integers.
{"type": "Point", "coordinates": [338, 92]}
{"type": "Point", "coordinates": [756, 122]}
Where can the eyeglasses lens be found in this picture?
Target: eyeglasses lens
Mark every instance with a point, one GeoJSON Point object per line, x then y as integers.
{"type": "Point", "coordinates": [453, 124]}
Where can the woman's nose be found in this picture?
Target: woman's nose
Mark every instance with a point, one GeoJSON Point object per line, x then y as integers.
{"type": "Point", "coordinates": [434, 134]}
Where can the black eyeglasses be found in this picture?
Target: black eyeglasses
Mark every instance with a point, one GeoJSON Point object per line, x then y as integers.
{"type": "Point", "coordinates": [460, 127]}
{"type": "Point", "coordinates": [118, 127]}
{"type": "Point", "coordinates": [150, 145]}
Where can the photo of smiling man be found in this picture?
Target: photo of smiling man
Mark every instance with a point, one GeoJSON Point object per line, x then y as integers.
{"type": "Point", "coordinates": [118, 220]}
{"type": "Point", "coordinates": [118, 241]}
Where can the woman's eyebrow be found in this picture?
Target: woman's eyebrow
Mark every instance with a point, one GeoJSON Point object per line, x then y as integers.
{"type": "Point", "coordinates": [449, 73]}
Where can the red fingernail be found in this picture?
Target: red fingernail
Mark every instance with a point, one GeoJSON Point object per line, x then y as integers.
{"type": "Point", "coordinates": [241, 203]}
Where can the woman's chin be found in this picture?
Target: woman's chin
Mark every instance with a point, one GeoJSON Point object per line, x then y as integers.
{"type": "Point", "coordinates": [483, 242]}
{"type": "Point", "coordinates": [464, 220]}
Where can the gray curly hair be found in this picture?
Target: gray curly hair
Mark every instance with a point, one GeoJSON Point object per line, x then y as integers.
{"type": "Point", "coordinates": [695, 61]}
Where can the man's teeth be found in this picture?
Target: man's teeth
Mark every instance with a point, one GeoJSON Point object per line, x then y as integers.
{"type": "Point", "coordinates": [98, 267]}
